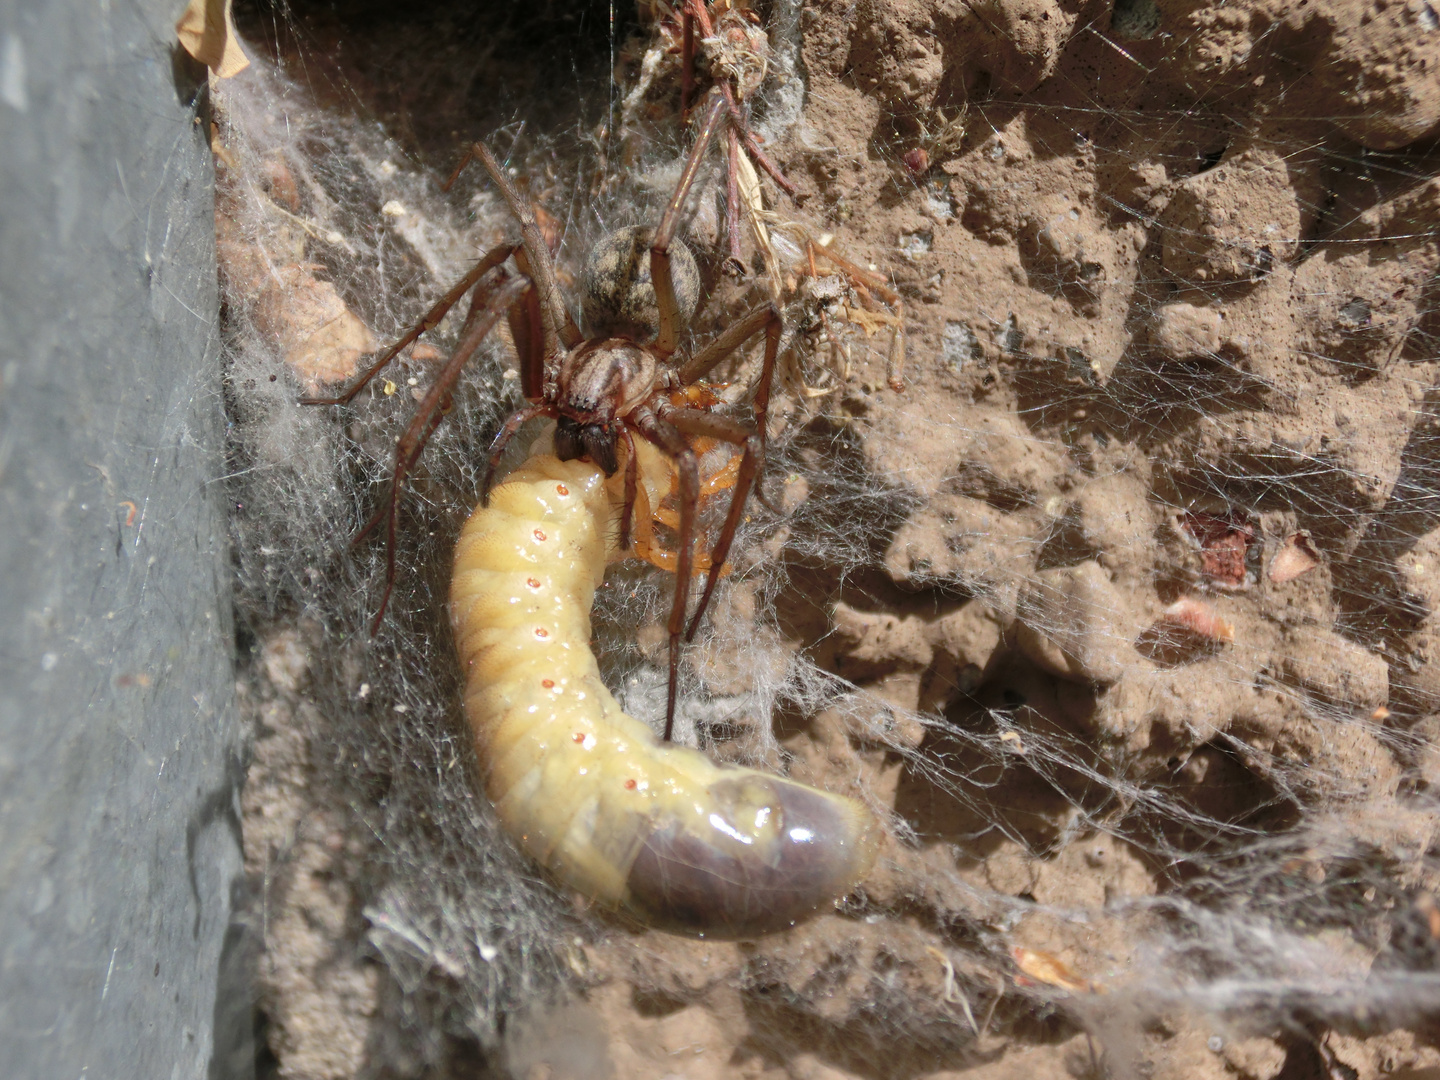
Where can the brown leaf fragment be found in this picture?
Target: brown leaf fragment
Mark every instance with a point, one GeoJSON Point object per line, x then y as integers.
{"type": "Point", "coordinates": [319, 338]}
{"type": "Point", "coordinates": [207, 32]}
{"type": "Point", "coordinates": [1049, 969]}
{"type": "Point", "coordinates": [280, 183]}
{"type": "Point", "coordinates": [313, 330]}
{"type": "Point", "coordinates": [1296, 556]}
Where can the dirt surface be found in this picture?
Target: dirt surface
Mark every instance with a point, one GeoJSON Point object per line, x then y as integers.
{"type": "Point", "coordinates": [1124, 612]}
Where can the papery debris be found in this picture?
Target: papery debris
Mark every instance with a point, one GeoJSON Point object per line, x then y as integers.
{"type": "Point", "coordinates": [1296, 556]}
{"type": "Point", "coordinates": [1049, 969]}
{"type": "Point", "coordinates": [207, 32]}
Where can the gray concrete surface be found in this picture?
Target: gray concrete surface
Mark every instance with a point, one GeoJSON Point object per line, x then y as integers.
{"type": "Point", "coordinates": [119, 771]}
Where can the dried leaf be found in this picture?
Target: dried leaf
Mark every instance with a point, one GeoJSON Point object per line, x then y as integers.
{"type": "Point", "coordinates": [1196, 617]}
{"type": "Point", "coordinates": [318, 336]}
{"type": "Point", "coordinates": [207, 32]}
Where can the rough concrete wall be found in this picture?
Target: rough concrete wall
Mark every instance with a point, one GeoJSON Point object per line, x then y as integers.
{"type": "Point", "coordinates": [118, 758]}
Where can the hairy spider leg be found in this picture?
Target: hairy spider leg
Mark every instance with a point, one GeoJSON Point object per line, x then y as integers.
{"type": "Point", "coordinates": [668, 438]}
{"type": "Point", "coordinates": [480, 321]}
{"type": "Point", "coordinates": [632, 487]}
{"type": "Point", "coordinates": [687, 54]}
{"type": "Point", "coordinates": [667, 340]}
{"type": "Point", "coordinates": [431, 319]}
{"type": "Point", "coordinates": [537, 251]}
{"type": "Point", "coordinates": [730, 339]}
{"type": "Point", "coordinates": [752, 460]}
{"type": "Point", "coordinates": [527, 332]}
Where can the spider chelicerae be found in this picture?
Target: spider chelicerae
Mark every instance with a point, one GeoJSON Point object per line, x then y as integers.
{"type": "Point", "coordinates": [612, 384]}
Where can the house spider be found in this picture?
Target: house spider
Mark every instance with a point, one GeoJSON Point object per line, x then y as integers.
{"type": "Point", "coordinates": [626, 377]}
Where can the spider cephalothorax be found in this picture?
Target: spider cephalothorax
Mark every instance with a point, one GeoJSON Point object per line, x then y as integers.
{"type": "Point", "coordinates": [599, 382]}
{"type": "Point", "coordinates": [611, 384]}
{"type": "Point", "coordinates": [613, 372]}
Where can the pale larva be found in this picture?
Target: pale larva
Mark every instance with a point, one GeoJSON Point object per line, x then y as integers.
{"type": "Point", "coordinates": [652, 829]}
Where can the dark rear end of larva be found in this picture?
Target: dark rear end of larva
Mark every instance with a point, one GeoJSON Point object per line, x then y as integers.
{"type": "Point", "coordinates": [765, 853]}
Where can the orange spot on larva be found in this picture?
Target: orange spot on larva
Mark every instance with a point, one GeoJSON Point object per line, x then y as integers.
{"type": "Point", "coordinates": [579, 736]}
{"type": "Point", "coordinates": [532, 582]}
{"type": "Point", "coordinates": [541, 632]}
{"type": "Point", "coordinates": [539, 536]}
{"type": "Point", "coordinates": [562, 489]}
{"type": "Point", "coordinates": [549, 684]}
{"type": "Point", "coordinates": [630, 785]}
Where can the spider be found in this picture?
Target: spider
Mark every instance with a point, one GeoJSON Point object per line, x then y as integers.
{"type": "Point", "coordinates": [628, 377]}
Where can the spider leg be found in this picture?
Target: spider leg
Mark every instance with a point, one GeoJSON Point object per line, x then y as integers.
{"type": "Point", "coordinates": [696, 10]}
{"type": "Point", "coordinates": [428, 321]}
{"type": "Point", "coordinates": [687, 59]}
{"type": "Point", "coordinates": [632, 487]}
{"type": "Point", "coordinates": [527, 331]}
{"type": "Point", "coordinates": [752, 462]}
{"type": "Point", "coordinates": [517, 420]}
{"type": "Point", "coordinates": [735, 335]}
{"type": "Point", "coordinates": [538, 253]}
{"type": "Point", "coordinates": [431, 411]}
{"type": "Point", "coordinates": [668, 338]}
{"type": "Point", "coordinates": [668, 438]}
{"type": "Point", "coordinates": [737, 118]}
{"type": "Point", "coordinates": [389, 510]}
{"type": "Point", "coordinates": [735, 263]}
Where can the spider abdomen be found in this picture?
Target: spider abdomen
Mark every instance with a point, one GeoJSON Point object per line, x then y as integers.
{"type": "Point", "coordinates": [590, 793]}
{"type": "Point", "coordinates": [617, 295]}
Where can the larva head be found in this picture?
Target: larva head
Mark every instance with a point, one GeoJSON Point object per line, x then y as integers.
{"type": "Point", "coordinates": [598, 382]}
{"type": "Point", "coordinates": [617, 296]}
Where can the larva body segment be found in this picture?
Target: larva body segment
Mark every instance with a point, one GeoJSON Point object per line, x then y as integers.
{"type": "Point", "coordinates": [657, 830]}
